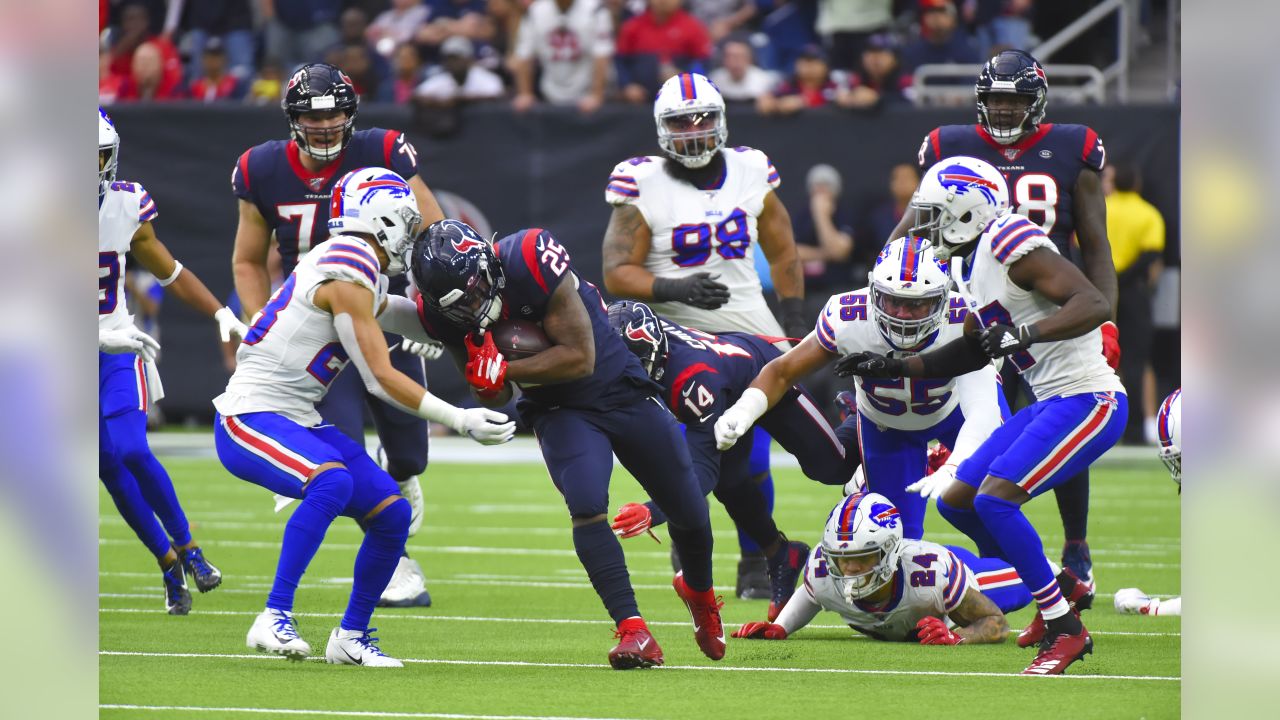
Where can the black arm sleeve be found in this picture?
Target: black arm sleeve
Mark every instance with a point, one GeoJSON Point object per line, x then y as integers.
{"type": "Point", "coordinates": [958, 357]}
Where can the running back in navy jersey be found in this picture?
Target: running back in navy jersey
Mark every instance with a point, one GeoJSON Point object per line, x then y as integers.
{"type": "Point", "coordinates": [1041, 168]}
{"type": "Point", "coordinates": [535, 264]}
{"type": "Point", "coordinates": [706, 373]}
{"type": "Point", "coordinates": [294, 201]}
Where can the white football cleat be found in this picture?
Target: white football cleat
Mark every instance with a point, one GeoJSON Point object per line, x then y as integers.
{"type": "Point", "coordinates": [274, 631]}
{"type": "Point", "coordinates": [412, 491]}
{"type": "Point", "coordinates": [353, 647]}
{"type": "Point", "coordinates": [408, 586]}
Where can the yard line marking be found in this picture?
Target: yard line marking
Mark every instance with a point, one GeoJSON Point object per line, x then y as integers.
{"type": "Point", "coordinates": [341, 713]}
{"type": "Point", "coordinates": [392, 614]}
{"type": "Point", "coordinates": [720, 668]}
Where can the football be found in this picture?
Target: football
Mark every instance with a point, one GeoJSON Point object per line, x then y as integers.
{"type": "Point", "coordinates": [519, 339]}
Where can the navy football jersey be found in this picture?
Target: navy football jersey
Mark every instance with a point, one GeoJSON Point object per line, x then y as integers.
{"type": "Point", "coordinates": [294, 201]}
{"type": "Point", "coordinates": [705, 373]}
{"type": "Point", "coordinates": [535, 264]}
{"type": "Point", "coordinates": [1041, 169]}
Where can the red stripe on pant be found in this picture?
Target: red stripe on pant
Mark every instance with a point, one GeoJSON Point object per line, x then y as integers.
{"type": "Point", "coordinates": [263, 448]}
{"type": "Point", "coordinates": [1073, 445]}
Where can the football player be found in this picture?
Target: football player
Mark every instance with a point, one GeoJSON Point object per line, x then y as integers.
{"type": "Point", "coordinates": [586, 398]}
{"type": "Point", "coordinates": [891, 588]}
{"type": "Point", "coordinates": [1036, 308]}
{"type": "Point", "coordinates": [329, 312]}
{"type": "Point", "coordinates": [702, 374]}
{"type": "Point", "coordinates": [683, 236]}
{"type": "Point", "coordinates": [1053, 171]}
{"type": "Point", "coordinates": [907, 309]}
{"type": "Point", "coordinates": [128, 381]}
{"type": "Point", "coordinates": [1169, 429]}
{"type": "Point", "coordinates": [283, 189]}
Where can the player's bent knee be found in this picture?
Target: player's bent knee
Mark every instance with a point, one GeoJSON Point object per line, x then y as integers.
{"type": "Point", "coordinates": [391, 517]}
{"type": "Point", "coordinates": [959, 496]}
{"type": "Point", "coordinates": [1003, 489]}
{"type": "Point", "coordinates": [323, 469]}
{"type": "Point", "coordinates": [401, 469]}
{"type": "Point", "coordinates": [580, 521]}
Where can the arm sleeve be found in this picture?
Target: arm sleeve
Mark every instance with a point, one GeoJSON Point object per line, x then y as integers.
{"type": "Point", "coordinates": [981, 407]}
{"type": "Point", "coordinates": [801, 609]}
{"type": "Point", "coordinates": [1014, 236]}
{"type": "Point", "coordinates": [345, 327]}
{"type": "Point", "coordinates": [400, 317]}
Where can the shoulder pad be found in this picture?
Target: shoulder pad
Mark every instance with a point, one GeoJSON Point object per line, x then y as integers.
{"type": "Point", "coordinates": [624, 184]}
{"type": "Point", "coordinates": [347, 258]}
{"type": "Point", "coordinates": [1013, 236]}
{"type": "Point", "coordinates": [757, 161]}
{"type": "Point", "coordinates": [137, 197]}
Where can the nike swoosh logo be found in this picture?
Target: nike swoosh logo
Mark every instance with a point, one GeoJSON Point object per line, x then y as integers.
{"type": "Point", "coordinates": [352, 659]}
{"type": "Point", "coordinates": [706, 418]}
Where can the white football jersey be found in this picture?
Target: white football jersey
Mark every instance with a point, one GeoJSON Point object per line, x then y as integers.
{"type": "Point", "coordinates": [1064, 367]}
{"type": "Point", "coordinates": [931, 582]}
{"type": "Point", "coordinates": [566, 44]}
{"type": "Point", "coordinates": [696, 231]}
{"type": "Point", "coordinates": [123, 209]}
{"type": "Point", "coordinates": [292, 351]}
{"type": "Point", "coordinates": [847, 325]}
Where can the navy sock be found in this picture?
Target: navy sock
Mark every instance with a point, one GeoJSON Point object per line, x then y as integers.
{"type": "Point", "coordinates": [693, 546]}
{"type": "Point", "coordinates": [376, 562]}
{"type": "Point", "coordinates": [1073, 506]}
{"type": "Point", "coordinates": [129, 436]}
{"type": "Point", "coordinates": [324, 497]}
{"type": "Point", "coordinates": [968, 522]}
{"type": "Point", "coordinates": [1021, 545]}
{"type": "Point", "coordinates": [124, 491]}
{"type": "Point", "coordinates": [745, 540]}
{"type": "Point", "coordinates": [601, 555]}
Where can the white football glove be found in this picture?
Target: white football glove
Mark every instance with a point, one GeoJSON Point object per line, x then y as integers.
{"type": "Point", "coordinates": [128, 340]}
{"type": "Point", "coordinates": [738, 419]}
{"type": "Point", "coordinates": [485, 426]}
{"type": "Point", "coordinates": [229, 324]}
{"type": "Point", "coordinates": [931, 486]}
{"type": "Point", "coordinates": [424, 350]}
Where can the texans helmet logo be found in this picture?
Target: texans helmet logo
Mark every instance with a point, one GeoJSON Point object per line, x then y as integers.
{"type": "Point", "coordinates": [466, 244]}
{"type": "Point", "coordinates": [641, 333]}
{"type": "Point", "coordinates": [886, 516]}
{"type": "Point", "coordinates": [959, 179]}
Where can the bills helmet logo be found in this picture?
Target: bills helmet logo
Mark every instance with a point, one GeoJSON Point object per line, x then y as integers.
{"type": "Point", "coordinates": [886, 516]}
{"type": "Point", "coordinates": [960, 179]}
{"type": "Point", "coordinates": [383, 183]}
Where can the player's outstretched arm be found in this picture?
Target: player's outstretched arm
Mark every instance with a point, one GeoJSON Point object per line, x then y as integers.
{"type": "Point", "coordinates": [155, 257]}
{"type": "Point", "coordinates": [249, 259]}
{"type": "Point", "coordinates": [626, 245]}
{"type": "Point", "coordinates": [778, 242]}
{"type": "Point", "coordinates": [1081, 305]}
{"type": "Point", "coordinates": [1089, 206]}
{"type": "Point", "coordinates": [767, 389]}
{"type": "Point", "coordinates": [980, 619]}
{"type": "Point", "coordinates": [958, 357]}
{"type": "Point", "coordinates": [572, 354]}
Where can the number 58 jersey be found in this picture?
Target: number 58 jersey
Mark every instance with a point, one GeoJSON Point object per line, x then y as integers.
{"type": "Point", "coordinates": [711, 230]}
{"type": "Point", "coordinates": [292, 352]}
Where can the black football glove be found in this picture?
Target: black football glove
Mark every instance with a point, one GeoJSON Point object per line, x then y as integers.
{"type": "Point", "coordinates": [1001, 340]}
{"type": "Point", "coordinates": [794, 322]}
{"type": "Point", "coordinates": [865, 364]}
{"type": "Point", "coordinates": [700, 290]}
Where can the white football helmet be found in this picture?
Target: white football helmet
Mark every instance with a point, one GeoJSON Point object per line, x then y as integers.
{"type": "Point", "coordinates": [863, 525]}
{"type": "Point", "coordinates": [108, 151]}
{"type": "Point", "coordinates": [909, 292]}
{"type": "Point", "coordinates": [377, 202]}
{"type": "Point", "coordinates": [689, 113]}
{"type": "Point", "coordinates": [1169, 427]}
{"type": "Point", "coordinates": [957, 199]}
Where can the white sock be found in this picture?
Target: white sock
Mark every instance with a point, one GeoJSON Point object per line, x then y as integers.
{"type": "Point", "coordinates": [1056, 610]}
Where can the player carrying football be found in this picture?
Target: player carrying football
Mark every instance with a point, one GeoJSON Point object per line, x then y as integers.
{"type": "Point", "coordinates": [128, 381]}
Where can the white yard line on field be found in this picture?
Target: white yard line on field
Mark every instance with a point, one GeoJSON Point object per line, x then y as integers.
{"type": "Point", "coordinates": [340, 713]}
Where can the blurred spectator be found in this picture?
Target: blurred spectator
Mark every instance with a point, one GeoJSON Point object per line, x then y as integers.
{"type": "Point", "coordinates": [789, 30]}
{"type": "Point", "coordinates": [507, 17]}
{"type": "Point", "coordinates": [812, 85]}
{"type": "Point", "coordinates": [879, 222]}
{"type": "Point", "coordinates": [147, 79]}
{"type": "Point", "coordinates": [657, 44]}
{"type": "Point", "coordinates": [353, 29]}
{"type": "Point", "coordinates": [879, 80]}
{"type": "Point", "coordinates": [459, 79]}
{"type": "Point", "coordinates": [1137, 234]}
{"type": "Point", "coordinates": [267, 87]}
{"type": "Point", "coordinates": [231, 21]}
{"type": "Point", "coordinates": [406, 73]}
{"type": "Point", "coordinates": [738, 77]}
{"type": "Point", "coordinates": [299, 31]}
{"type": "Point", "coordinates": [1005, 23]}
{"type": "Point", "coordinates": [722, 17]}
{"type": "Point", "coordinates": [135, 30]}
{"type": "Point", "coordinates": [397, 25]}
{"type": "Point", "coordinates": [941, 39]}
{"type": "Point", "coordinates": [110, 84]}
{"type": "Point", "coordinates": [824, 237]}
{"type": "Point", "coordinates": [845, 26]}
{"type": "Point", "coordinates": [468, 18]}
{"type": "Point", "coordinates": [215, 82]}
{"type": "Point", "coordinates": [572, 41]}
{"type": "Point", "coordinates": [360, 63]}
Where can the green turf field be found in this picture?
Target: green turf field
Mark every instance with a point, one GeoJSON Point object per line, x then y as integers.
{"type": "Point", "coordinates": [516, 630]}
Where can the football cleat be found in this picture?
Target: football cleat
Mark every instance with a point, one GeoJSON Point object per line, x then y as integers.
{"type": "Point", "coordinates": [753, 577]}
{"type": "Point", "coordinates": [177, 599]}
{"type": "Point", "coordinates": [785, 568]}
{"type": "Point", "coordinates": [1057, 653]}
{"type": "Point", "coordinates": [1080, 598]}
{"type": "Point", "coordinates": [1075, 557]}
{"type": "Point", "coordinates": [708, 630]}
{"type": "Point", "coordinates": [636, 647]}
{"type": "Point", "coordinates": [275, 631]}
{"type": "Point", "coordinates": [207, 576]}
{"type": "Point", "coordinates": [411, 489]}
{"type": "Point", "coordinates": [355, 647]}
{"type": "Point", "coordinates": [407, 587]}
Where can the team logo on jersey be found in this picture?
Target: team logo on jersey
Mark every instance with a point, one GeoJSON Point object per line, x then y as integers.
{"type": "Point", "coordinates": [1011, 153]}
{"type": "Point", "coordinates": [315, 183]}
{"type": "Point", "coordinates": [886, 516]}
{"type": "Point", "coordinates": [960, 179]}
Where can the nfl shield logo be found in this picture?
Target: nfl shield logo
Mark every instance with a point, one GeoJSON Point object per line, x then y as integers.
{"type": "Point", "coordinates": [1011, 153]}
{"type": "Point", "coordinates": [315, 183]}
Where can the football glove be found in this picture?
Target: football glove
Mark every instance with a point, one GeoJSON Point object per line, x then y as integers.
{"type": "Point", "coordinates": [1111, 344]}
{"type": "Point", "coordinates": [229, 324]}
{"type": "Point", "coordinates": [631, 520]}
{"type": "Point", "coordinates": [128, 340]}
{"type": "Point", "coordinates": [865, 364]}
{"type": "Point", "coordinates": [932, 631]}
{"type": "Point", "coordinates": [761, 631]}
{"type": "Point", "coordinates": [699, 290]}
{"type": "Point", "coordinates": [485, 426]}
{"type": "Point", "coordinates": [738, 419]}
{"type": "Point", "coordinates": [486, 369]}
{"type": "Point", "coordinates": [931, 486]}
{"type": "Point", "coordinates": [1001, 340]}
{"type": "Point", "coordinates": [424, 350]}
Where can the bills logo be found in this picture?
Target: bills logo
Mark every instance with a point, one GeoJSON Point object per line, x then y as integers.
{"type": "Point", "coordinates": [960, 179]}
{"type": "Point", "coordinates": [466, 244]}
{"type": "Point", "coordinates": [886, 516]}
{"type": "Point", "coordinates": [384, 183]}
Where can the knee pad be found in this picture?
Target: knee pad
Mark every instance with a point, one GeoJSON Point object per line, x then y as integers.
{"type": "Point", "coordinates": [393, 521]}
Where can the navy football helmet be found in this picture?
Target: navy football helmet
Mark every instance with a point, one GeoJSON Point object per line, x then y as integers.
{"type": "Point", "coordinates": [1012, 72]}
{"type": "Point", "coordinates": [320, 87]}
{"type": "Point", "coordinates": [641, 331]}
{"type": "Point", "coordinates": [458, 274]}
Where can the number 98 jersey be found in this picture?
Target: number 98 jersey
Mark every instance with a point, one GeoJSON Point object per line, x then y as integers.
{"type": "Point", "coordinates": [712, 230]}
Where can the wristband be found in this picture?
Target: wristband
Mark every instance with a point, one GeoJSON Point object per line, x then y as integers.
{"type": "Point", "coordinates": [437, 410]}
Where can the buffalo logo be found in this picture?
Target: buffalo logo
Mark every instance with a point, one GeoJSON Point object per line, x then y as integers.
{"type": "Point", "coordinates": [466, 244]}
{"type": "Point", "coordinates": [386, 183]}
{"type": "Point", "coordinates": [641, 333]}
{"type": "Point", "coordinates": [884, 515]}
{"type": "Point", "coordinates": [959, 179]}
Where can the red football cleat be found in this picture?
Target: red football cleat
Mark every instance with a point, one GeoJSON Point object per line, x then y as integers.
{"type": "Point", "coordinates": [1054, 658]}
{"type": "Point", "coordinates": [938, 456]}
{"type": "Point", "coordinates": [704, 608]}
{"type": "Point", "coordinates": [1081, 598]}
{"type": "Point", "coordinates": [636, 648]}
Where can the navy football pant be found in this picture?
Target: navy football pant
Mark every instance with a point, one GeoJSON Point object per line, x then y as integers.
{"type": "Point", "coordinates": [827, 455]}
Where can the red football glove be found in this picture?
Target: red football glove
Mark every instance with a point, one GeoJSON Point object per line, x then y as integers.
{"type": "Point", "coordinates": [1111, 344]}
{"type": "Point", "coordinates": [938, 456]}
{"type": "Point", "coordinates": [633, 519]}
{"type": "Point", "coordinates": [932, 631]}
{"type": "Point", "coordinates": [486, 367]}
{"type": "Point", "coordinates": [761, 631]}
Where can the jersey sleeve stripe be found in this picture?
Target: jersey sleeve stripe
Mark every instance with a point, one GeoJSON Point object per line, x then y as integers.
{"type": "Point", "coordinates": [773, 175]}
{"type": "Point", "coordinates": [147, 208]}
{"type": "Point", "coordinates": [528, 248]}
{"type": "Point", "coordinates": [826, 335]}
{"type": "Point", "coordinates": [1090, 139]}
{"type": "Point", "coordinates": [956, 586]}
{"type": "Point", "coordinates": [343, 260]}
{"type": "Point", "coordinates": [935, 139]}
{"type": "Point", "coordinates": [332, 253]}
{"type": "Point", "coordinates": [623, 190]}
{"type": "Point", "coordinates": [244, 168]}
{"type": "Point", "coordinates": [359, 251]}
{"type": "Point", "coordinates": [1015, 240]}
{"type": "Point", "coordinates": [388, 142]}
{"type": "Point", "coordinates": [624, 179]}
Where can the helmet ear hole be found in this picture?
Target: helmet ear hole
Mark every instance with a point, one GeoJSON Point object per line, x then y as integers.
{"type": "Point", "coordinates": [966, 217]}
